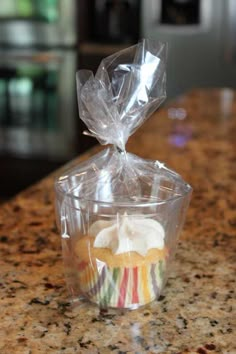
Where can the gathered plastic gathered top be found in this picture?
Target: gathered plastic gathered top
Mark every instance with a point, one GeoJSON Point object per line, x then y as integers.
{"type": "Point", "coordinates": [127, 88]}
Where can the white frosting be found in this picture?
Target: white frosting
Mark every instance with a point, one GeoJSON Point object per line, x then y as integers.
{"type": "Point", "coordinates": [127, 234]}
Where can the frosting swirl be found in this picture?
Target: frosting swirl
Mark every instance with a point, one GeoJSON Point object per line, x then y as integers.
{"type": "Point", "coordinates": [127, 234]}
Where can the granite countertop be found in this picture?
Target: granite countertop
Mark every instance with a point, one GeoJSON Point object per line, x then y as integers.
{"type": "Point", "coordinates": [194, 135]}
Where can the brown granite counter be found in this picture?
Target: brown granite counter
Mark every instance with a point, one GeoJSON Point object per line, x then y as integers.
{"type": "Point", "coordinates": [195, 135]}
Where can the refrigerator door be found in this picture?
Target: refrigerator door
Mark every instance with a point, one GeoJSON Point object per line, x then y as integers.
{"type": "Point", "coordinates": [197, 45]}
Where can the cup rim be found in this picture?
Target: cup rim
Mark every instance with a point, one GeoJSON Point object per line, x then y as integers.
{"type": "Point", "coordinates": [129, 204]}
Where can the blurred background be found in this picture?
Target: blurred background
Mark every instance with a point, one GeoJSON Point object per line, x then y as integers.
{"type": "Point", "coordinates": [44, 42]}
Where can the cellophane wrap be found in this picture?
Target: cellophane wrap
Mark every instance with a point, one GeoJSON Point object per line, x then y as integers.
{"type": "Point", "coordinates": [119, 214]}
{"type": "Point", "coordinates": [127, 88]}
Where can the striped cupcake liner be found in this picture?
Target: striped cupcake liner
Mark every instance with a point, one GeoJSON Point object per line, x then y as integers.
{"type": "Point", "coordinates": [121, 287]}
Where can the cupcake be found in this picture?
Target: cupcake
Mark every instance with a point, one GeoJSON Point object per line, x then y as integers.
{"type": "Point", "coordinates": [122, 263]}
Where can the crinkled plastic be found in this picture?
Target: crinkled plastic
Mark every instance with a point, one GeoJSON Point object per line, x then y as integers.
{"type": "Point", "coordinates": [126, 89]}
{"type": "Point", "coordinates": [120, 215]}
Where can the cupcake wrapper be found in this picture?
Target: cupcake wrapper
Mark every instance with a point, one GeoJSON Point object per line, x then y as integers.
{"type": "Point", "coordinates": [121, 287]}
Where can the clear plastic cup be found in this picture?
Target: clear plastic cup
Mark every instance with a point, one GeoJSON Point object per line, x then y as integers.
{"type": "Point", "coordinates": [128, 279]}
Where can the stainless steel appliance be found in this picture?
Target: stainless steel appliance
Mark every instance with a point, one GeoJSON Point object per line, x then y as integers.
{"type": "Point", "coordinates": [201, 37]}
{"type": "Point", "coordinates": [37, 103]}
{"type": "Point", "coordinates": [38, 113]}
{"type": "Point", "coordinates": [37, 22]}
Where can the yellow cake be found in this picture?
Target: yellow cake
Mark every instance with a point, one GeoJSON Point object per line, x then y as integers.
{"type": "Point", "coordinates": [123, 280]}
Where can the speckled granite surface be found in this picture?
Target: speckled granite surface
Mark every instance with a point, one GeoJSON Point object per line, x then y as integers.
{"type": "Point", "coordinates": [196, 314]}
